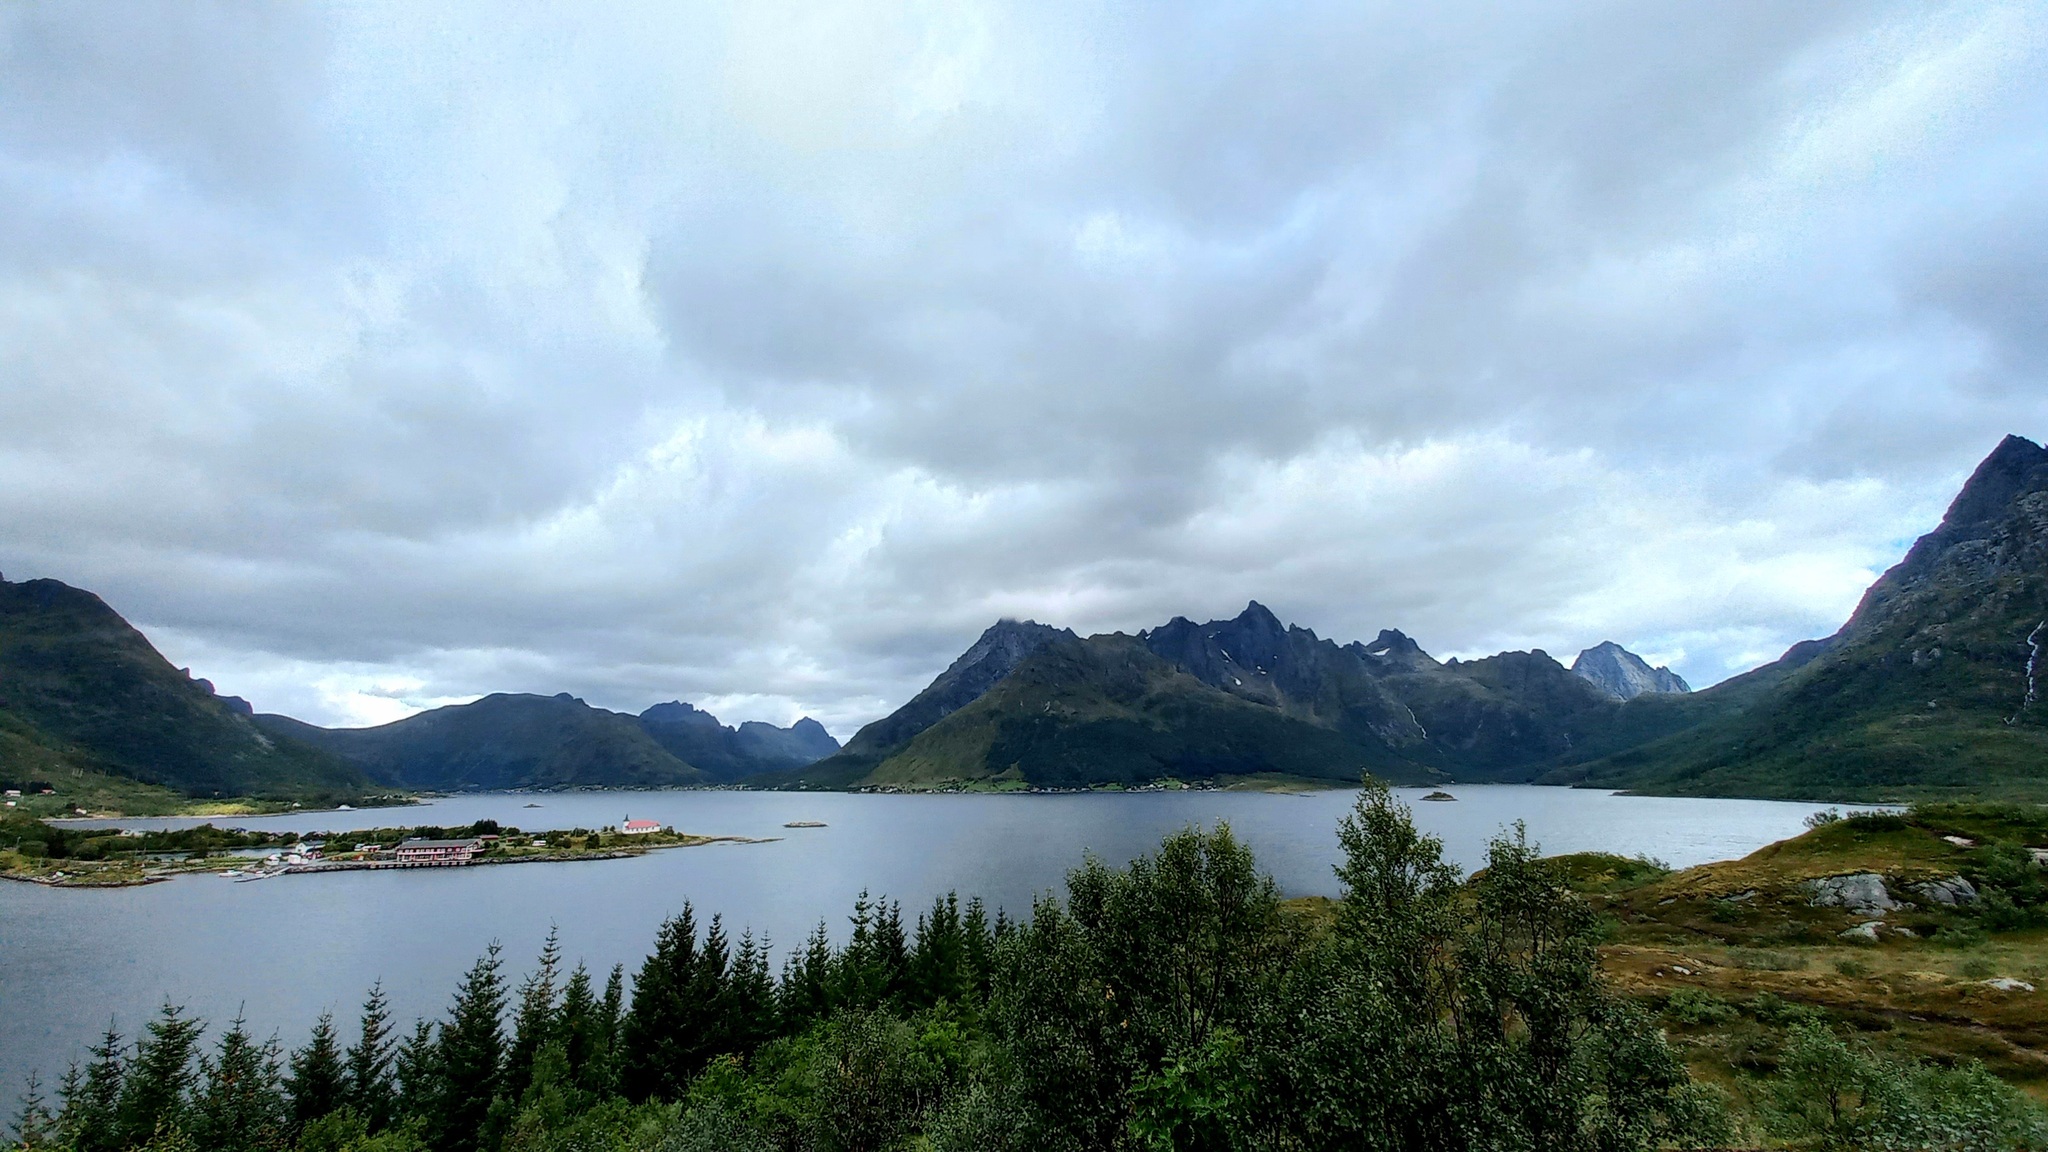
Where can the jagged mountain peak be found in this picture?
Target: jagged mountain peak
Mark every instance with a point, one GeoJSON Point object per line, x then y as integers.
{"type": "Point", "coordinates": [1394, 649]}
{"type": "Point", "coordinates": [1624, 675]}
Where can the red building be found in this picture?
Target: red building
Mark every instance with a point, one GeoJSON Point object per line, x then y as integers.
{"type": "Point", "coordinates": [437, 851]}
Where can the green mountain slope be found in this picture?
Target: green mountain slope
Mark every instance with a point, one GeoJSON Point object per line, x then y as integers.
{"type": "Point", "coordinates": [505, 740]}
{"type": "Point", "coordinates": [84, 697]}
{"type": "Point", "coordinates": [1933, 688]}
{"type": "Point", "coordinates": [1106, 710]}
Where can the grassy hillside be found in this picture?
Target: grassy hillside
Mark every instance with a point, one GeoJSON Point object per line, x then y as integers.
{"type": "Point", "coordinates": [86, 701]}
{"type": "Point", "coordinates": [1735, 954]}
{"type": "Point", "coordinates": [1932, 689]}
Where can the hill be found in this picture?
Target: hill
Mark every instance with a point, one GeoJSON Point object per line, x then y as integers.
{"type": "Point", "coordinates": [89, 706]}
{"type": "Point", "coordinates": [1930, 689]}
{"type": "Point", "coordinates": [517, 740]}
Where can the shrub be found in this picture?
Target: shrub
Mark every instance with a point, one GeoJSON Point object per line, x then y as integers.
{"type": "Point", "coordinates": [1697, 1006]}
{"type": "Point", "coordinates": [1823, 818]}
{"type": "Point", "coordinates": [1849, 967]}
{"type": "Point", "coordinates": [1831, 1094]}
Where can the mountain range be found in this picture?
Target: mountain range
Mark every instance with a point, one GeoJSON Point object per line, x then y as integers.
{"type": "Point", "coordinates": [1934, 686]}
{"type": "Point", "coordinates": [517, 740]}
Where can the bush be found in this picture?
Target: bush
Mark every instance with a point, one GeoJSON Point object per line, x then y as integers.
{"type": "Point", "coordinates": [1696, 1006]}
{"type": "Point", "coordinates": [1831, 1094]}
{"type": "Point", "coordinates": [1823, 818]}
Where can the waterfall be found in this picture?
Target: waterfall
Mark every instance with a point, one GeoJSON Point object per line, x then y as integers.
{"type": "Point", "coordinates": [2033, 661]}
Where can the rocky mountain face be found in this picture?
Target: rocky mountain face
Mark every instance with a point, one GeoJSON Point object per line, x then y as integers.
{"type": "Point", "coordinates": [728, 754]}
{"type": "Point", "coordinates": [516, 740]}
{"type": "Point", "coordinates": [1624, 675]}
{"type": "Point", "coordinates": [1931, 688]}
{"type": "Point", "coordinates": [993, 656]}
{"type": "Point", "coordinates": [81, 691]}
{"type": "Point", "coordinates": [1238, 697]}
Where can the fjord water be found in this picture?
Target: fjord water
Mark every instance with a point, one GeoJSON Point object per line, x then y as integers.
{"type": "Point", "coordinates": [280, 951]}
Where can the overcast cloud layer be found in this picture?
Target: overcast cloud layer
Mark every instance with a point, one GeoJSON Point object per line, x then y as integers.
{"type": "Point", "coordinates": [759, 354]}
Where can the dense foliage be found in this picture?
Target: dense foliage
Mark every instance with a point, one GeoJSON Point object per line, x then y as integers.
{"type": "Point", "coordinates": [1174, 1004]}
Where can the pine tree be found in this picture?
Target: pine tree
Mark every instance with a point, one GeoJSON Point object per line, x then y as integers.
{"type": "Point", "coordinates": [472, 1057]}
{"type": "Point", "coordinates": [938, 958]}
{"type": "Point", "coordinates": [891, 954]}
{"type": "Point", "coordinates": [750, 997]}
{"type": "Point", "coordinates": [241, 1106]}
{"type": "Point", "coordinates": [318, 1084]}
{"type": "Point", "coordinates": [158, 1081]}
{"type": "Point", "coordinates": [577, 1023]}
{"type": "Point", "coordinates": [602, 1074]}
{"type": "Point", "coordinates": [980, 946]}
{"type": "Point", "coordinates": [808, 981]}
{"type": "Point", "coordinates": [418, 1072]}
{"type": "Point", "coordinates": [856, 977]}
{"type": "Point", "coordinates": [34, 1127]}
{"type": "Point", "coordinates": [370, 1088]}
{"type": "Point", "coordinates": [534, 1023]}
{"type": "Point", "coordinates": [662, 1028]}
{"type": "Point", "coordinates": [90, 1115]}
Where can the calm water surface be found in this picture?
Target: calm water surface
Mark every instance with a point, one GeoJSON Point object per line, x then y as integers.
{"type": "Point", "coordinates": [282, 950]}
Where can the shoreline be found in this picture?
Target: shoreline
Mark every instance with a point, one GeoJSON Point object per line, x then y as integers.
{"type": "Point", "coordinates": [97, 877]}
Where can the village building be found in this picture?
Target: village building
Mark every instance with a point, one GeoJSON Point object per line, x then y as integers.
{"type": "Point", "coordinates": [430, 852]}
{"type": "Point", "coordinates": [639, 827]}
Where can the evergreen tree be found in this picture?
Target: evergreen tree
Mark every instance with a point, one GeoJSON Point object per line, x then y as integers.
{"type": "Point", "coordinates": [34, 1127]}
{"type": "Point", "coordinates": [663, 1031]}
{"type": "Point", "coordinates": [90, 1115]}
{"type": "Point", "coordinates": [370, 1089]}
{"type": "Point", "coordinates": [577, 1024]}
{"type": "Point", "coordinates": [534, 1022]}
{"type": "Point", "coordinates": [158, 1082]}
{"type": "Point", "coordinates": [417, 1068]}
{"type": "Point", "coordinates": [471, 1057]}
{"type": "Point", "coordinates": [601, 1075]}
{"type": "Point", "coordinates": [318, 1083]}
{"type": "Point", "coordinates": [240, 1106]}
{"type": "Point", "coordinates": [749, 996]}
{"type": "Point", "coordinates": [979, 944]}
{"type": "Point", "coordinates": [938, 958]}
{"type": "Point", "coordinates": [891, 954]}
{"type": "Point", "coordinates": [806, 993]}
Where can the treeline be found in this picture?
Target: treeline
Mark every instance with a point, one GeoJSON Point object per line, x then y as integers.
{"type": "Point", "coordinates": [32, 837]}
{"type": "Point", "coordinates": [1175, 1004]}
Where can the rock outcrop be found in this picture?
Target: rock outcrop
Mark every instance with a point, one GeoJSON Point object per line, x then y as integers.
{"type": "Point", "coordinates": [1624, 675]}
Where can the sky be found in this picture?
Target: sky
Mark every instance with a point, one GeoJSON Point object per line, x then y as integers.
{"type": "Point", "coordinates": [373, 357]}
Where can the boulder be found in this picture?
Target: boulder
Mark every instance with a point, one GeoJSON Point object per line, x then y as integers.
{"type": "Point", "coordinates": [1949, 891]}
{"type": "Point", "coordinates": [1862, 893]}
{"type": "Point", "coordinates": [1865, 932]}
{"type": "Point", "coordinates": [2008, 984]}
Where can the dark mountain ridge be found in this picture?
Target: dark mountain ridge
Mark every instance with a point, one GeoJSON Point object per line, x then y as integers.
{"type": "Point", "coordinates": [83, 692]}
{"type": "Point", "coordinates": [518, 740]}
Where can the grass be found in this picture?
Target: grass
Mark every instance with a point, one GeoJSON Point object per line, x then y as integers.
{"type": "Point", "coordinates": [1729, 976]}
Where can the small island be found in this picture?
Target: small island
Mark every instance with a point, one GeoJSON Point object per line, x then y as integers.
{"type": "Point", "coordinates": [805, 824]}
{"type": "Point", "coordinates": [1439, 796]}
{"type": "Point", "coordinates": [40, 853]}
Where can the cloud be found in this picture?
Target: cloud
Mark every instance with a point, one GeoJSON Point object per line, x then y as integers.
{"type": "Point", "coordinates": [377, 356]}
